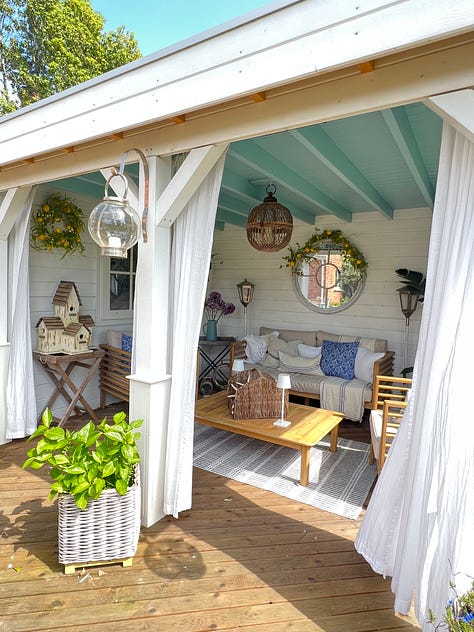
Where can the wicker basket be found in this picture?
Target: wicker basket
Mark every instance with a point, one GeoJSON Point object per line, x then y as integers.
{"type": "Point", "coordinates": [107, 529]}
{"type": "Point", "coordinates": [253, 394]}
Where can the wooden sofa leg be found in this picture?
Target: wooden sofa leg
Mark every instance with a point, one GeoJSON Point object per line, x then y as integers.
{"type": "Point", "coordinates": [371, 455]}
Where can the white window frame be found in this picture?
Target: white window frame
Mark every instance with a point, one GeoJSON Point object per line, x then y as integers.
{"type": "Point", "coordinates": [103, 298]}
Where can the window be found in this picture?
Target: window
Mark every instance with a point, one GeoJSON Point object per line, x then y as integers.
{"type": "Point", "coordinates": [118, 286]}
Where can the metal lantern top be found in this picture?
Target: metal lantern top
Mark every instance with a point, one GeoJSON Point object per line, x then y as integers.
{"type": "Point", "coordinates": [270, 224]}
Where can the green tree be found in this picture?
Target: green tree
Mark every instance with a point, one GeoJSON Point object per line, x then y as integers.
{"type": "Point", "coordinates": [47, 46]}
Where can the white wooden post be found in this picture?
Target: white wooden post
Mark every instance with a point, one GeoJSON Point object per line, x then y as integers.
{"type": "Point", "coordinates": [150, 383]}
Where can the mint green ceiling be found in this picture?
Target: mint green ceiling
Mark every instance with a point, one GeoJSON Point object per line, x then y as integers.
{"type": "Point", "coordinates": [380, 162]}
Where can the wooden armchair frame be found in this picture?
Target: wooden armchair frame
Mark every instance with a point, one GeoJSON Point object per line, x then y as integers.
{"type": "Point", "coordinates": [389, 399]}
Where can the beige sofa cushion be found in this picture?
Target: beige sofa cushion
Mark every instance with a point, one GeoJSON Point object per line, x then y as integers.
{"type": "Point", "coordinates": [371, 344]}
{"type": "Point", "coordinates": [308, 337]}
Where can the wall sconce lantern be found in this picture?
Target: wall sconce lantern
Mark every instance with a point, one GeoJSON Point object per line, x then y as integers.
{"type": "Point", "coordinates": [270, 224]}
{"type": "Point", "coordinates": [114, 224]}
{"type": "Point", "coordinates": [408, 301]}
{"type": "Point", "coordinates": [245, 289]}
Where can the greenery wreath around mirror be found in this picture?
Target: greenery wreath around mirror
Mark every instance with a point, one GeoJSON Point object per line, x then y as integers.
{"type": "Point", "coordinates": [328, 271]}
{"type": "Point", "coordinates": [57, 224]}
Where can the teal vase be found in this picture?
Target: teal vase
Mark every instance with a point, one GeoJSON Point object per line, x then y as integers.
{"type": "Point", "coordinates": [210, 330]}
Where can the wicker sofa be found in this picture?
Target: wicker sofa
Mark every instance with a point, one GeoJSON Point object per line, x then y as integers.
{"type": "Point", "coordinates": [307, 384]}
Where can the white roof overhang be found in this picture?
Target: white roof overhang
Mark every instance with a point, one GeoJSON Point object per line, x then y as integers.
{"type": "Point", "coordinates": [247, 80]}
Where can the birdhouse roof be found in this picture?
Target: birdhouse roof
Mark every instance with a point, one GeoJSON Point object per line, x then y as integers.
{"type": "Point", "coordinates": [73, 328]}
{"type": "Point", "coordinates": [87, 320]}
{"type": "Point", "coordinates": [63, 293]}
{"type": "Point", "coordinates": [51, 322]}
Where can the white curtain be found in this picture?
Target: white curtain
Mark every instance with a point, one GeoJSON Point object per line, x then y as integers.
{"type": "Point", "coordinates": [190, 260]}
{"type": "Point", "coordinates": [419, 525]}
{"type": "Point", "coordinates": [20, 390]}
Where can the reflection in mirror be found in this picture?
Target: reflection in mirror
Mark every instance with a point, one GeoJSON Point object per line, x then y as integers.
{"type": "Point", "coordinates": [328, 282]}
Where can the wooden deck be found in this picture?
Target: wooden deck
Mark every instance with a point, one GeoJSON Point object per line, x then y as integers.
{"type": "Point", "coordinates": [240, 559]}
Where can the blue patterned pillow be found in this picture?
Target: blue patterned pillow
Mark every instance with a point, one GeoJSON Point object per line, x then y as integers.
{"type": "Point", "coordinates": [338, 358]}
{"type": "Point", "coordinates": [126, 342]}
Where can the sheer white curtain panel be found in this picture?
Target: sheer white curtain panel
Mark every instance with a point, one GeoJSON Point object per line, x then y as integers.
{"type": "Point", "coordinates": [190, 261]}
{"type": "Point", "coordinates": [20, 390]}
{"type": "Point", "coordinates": [419, 523]}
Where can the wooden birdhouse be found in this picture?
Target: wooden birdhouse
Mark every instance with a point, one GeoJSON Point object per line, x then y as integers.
{"type": "Point", "coordinates": [67, 331]}
{"type": "Point", "coordinates": [50, 334]}
{"type": "Point", "coordinates": [67, 302]}
{"type": "Point", "coordinates": [76, 337]}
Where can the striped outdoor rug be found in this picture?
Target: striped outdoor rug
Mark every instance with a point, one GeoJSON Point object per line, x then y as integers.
{"type": "Point", "coordinates": [338, 482]}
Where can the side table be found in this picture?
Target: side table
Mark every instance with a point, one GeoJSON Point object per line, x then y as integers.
{"type": "Point", "coordinates": [213, 369]}
{"type": "Point", "coordinates": [59, 368]}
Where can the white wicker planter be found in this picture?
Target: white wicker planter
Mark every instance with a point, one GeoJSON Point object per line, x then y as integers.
{"type": "Point", "coordinates": [107, 529]}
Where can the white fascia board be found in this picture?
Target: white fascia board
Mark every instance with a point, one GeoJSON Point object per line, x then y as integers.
{"type": "Point", "coordinates": [318, 36]}
{"type": "Point", "coordinates": [408, 81]}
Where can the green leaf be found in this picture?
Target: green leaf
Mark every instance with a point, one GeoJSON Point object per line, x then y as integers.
{"type": "Point", "coordinates": [121, 486]}
{"type": "Point", "coordinates": [98, 486]}
{"type": "Point", "coordinates": [54, 434]}
{"type": "Point", "coordinates": [74, 469]}
{"type": "Point", "coordinates": [114, 434]}
{"type": "Point", "coordinates": [59, 459]}
{"type": "Point", "coordinates": [81, 487]}
{"type": "Point", "coordinates": [109, 468]}
{"type": "Point", "coordinates": [128, 452]}
{"type": "Point", "coordinates": [81, 500]}
{"type": "Point", "coordinates": [33, 463]}
{"type": "Point", "coordinates": [47, 417]}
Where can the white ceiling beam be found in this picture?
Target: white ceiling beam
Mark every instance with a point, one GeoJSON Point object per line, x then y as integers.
{"type": "Point", "coordinates": [400, 128]}
{"type": "Point", "coordinates": [189, 177]}
{"type": "Point", "coordinates": [318, 143]}
{"type": "Point", "coordinates": [457, 108]}
{"type": "Point", "coordinates": [256, 57]}
{"type": "Point", "coordinates": [10, 207]}
{"type": "Point", "coordinates": [264, 163]}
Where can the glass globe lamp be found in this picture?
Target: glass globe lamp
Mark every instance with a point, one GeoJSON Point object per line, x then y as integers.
{"type": "Point", "coordinates": [113, 224]}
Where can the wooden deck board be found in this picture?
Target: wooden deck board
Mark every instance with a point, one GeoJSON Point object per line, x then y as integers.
{"type": "Point", "coordinates": [240, 559]}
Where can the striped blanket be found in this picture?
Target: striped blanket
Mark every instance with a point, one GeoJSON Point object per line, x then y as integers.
{"type": "Point", "coordinates": [345, 396]}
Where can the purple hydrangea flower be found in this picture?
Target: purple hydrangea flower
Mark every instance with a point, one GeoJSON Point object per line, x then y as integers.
{"type": "Point", "coordinates": [215, 307]}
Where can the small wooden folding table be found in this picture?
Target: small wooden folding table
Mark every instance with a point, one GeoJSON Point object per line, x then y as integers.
{"type": "Point", "coordinates": [59, 367]}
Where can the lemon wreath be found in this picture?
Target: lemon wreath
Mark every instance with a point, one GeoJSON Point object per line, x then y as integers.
{"type": "Point", "coordinates": [57, 224]}
{"type": "Point", "coordinates": [350, 253]}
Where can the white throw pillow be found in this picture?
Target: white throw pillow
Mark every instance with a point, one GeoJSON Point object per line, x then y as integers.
{"type": "Point", "coordinates": [307, 351]}
{"type": "Point", "coordinates": [364, 364]}
{"type": "Point", "coordinates": [256, 348]}
{"type": "Point", "coordinates": [297, 364]}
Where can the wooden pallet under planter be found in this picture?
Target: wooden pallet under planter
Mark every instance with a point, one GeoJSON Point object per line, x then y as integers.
{"type": "Point", "coordinates": [106, 531]}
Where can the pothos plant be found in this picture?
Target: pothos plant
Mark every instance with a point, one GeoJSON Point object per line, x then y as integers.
{"type": "Point", "coordinates": [86, 462]}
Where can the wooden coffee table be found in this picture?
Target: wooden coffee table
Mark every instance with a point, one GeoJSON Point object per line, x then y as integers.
{"type": "Point", "coordinates": [308, 426]}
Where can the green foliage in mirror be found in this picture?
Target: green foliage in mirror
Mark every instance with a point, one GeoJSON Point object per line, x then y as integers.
{"type": "Point", "coordinates": [300, 254]}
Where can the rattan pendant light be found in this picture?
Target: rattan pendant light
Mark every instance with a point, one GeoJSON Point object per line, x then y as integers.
{"type": "Point", "coordinates": [270, 224]}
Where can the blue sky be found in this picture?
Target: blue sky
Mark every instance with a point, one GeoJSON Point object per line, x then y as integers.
{"type": "Point", "coordinates": [161, 23]}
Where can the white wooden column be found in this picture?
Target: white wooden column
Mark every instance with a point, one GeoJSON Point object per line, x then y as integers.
{"type": "Point", "coordinates": [150, 383]}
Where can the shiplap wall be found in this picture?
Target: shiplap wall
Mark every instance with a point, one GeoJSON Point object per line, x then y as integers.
{"type": "Point", "coordinates": [387, 245]}
{"type": "Point", "coordinates": [47, 269]}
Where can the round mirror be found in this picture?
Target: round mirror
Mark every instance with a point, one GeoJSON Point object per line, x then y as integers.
{"type": "Point", "coordinates": [327, 282]}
